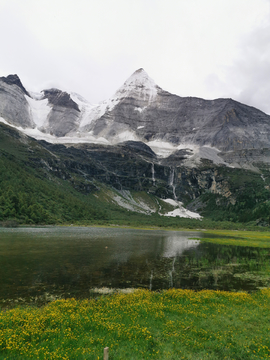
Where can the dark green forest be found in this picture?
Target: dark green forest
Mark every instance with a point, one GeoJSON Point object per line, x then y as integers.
{"type": "Point", "coordinates": [30, 199]}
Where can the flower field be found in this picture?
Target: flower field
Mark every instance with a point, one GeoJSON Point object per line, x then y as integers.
{"type": "Point", "coordinates": [172, 324]}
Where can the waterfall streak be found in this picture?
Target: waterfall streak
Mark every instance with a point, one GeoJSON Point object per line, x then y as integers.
{"type": "Point", "coordinates": [171, 183]}
{"type": "Point", "coordinates": [153, 174]}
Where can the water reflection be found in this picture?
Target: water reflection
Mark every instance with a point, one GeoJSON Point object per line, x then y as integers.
{"type": "Point", "coordinates": [62, 261]}
{"type": "Point", "coordinates": [177, 242]}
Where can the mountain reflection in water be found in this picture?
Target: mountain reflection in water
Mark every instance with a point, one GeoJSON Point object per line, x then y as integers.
{"type": "Point", "coordinates": [176, 244]}
{"type": "Point", "coordinates": [70, 261]}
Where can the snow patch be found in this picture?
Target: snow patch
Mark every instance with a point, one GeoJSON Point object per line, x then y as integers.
{"type": "Point", "coordinates": [125, 136]}
{"type": "Point", "coordinates": [180, 210]}
{"type": "Point", "coordinates": [139, 109]}
{"type": "Point", "coordinates": [140, 127]}
{"type": "Point", "coordinates": [2, 120]}
{"type": "Point", "coordinates": [78, 98]}
{"type": "Point", "coordinates": [161, 148]}
{"type": "Point", "coordinates": [90, 113]}
{"type": "Point", "coordinates": [171, 202]}
{"type": "Point", "coordinates": [188, 146]}
{"type": "Point", "coordinates": [39, 135]}
{"type": "Point", "coordinates": [39, 109]}
{"type": "Point", "coordinates": [36, 96]}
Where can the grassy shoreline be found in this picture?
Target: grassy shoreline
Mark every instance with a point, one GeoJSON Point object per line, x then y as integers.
{"type": "Point", "coordinates": [150, 222]}
{"type": "Point", "coordinates": [171, 324]}
{"type": "Point", "coordinates": [238, 238]}
{"type": "Point", "coordinates": [197, 227]}
{"type": "Point", "coordinates": [258, 238]}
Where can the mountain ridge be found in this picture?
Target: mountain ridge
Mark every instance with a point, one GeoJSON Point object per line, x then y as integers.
{"type": "Point", "coordinates": [138, 111]}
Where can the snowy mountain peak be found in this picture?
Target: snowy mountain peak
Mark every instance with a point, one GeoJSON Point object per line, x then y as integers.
{"type": "Point", "coordinates": [139, 85]}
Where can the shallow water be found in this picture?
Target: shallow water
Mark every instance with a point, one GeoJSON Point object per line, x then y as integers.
{"type": "Point", "coordinates": [51, 262]}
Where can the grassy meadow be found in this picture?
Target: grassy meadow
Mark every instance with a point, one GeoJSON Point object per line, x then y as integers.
{"type": "Point", "coordinates": [172, 324]}
{"type": "Point", "coordinates": [238, 238]}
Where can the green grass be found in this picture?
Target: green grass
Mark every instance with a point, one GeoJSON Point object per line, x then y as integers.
{"type": "Point", "coordinates": [172, 324]}
{"type": "Point", "coordinates": [238, 238]}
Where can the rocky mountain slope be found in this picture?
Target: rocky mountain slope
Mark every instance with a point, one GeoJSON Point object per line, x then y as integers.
{"type": "Point", "coordinates": [126, 176]}
{"type": "Point", "coordinates": [143, 150]}
{"type": "Point", "coordinates": [140, 111]}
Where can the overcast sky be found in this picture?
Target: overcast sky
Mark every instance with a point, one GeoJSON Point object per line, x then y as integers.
{"type": "Point", "coordinates": [203, 48]}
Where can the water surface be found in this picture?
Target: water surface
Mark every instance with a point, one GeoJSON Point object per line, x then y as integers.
{"type": "Point", "coordinates": [50, 262]}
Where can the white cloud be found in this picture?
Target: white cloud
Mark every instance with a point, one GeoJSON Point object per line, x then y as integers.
{"type": "Point", "coordinates": [246, 79]}
{"type": "Point", "coordinates": [205, 48]}
{"type": "Point", "coordinates": [252, 69]}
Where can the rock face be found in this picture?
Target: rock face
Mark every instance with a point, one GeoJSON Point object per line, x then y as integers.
{"type": "Point", "coordinates": [133, 166]}
{"type": "Point", "coordinates": [64, 115]}
{"type": "Point", "coordinates": [14, 107]}
{"type": "Point", "coordinates": [14, 80]}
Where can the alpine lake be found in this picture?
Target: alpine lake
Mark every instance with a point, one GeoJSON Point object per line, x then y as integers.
{"type": "Point", "coordinates": [42, 264]}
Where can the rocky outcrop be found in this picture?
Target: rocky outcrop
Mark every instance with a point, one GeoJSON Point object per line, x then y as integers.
{"type": "Point", "coordinates": [60, 98]}
{"type": "Point", "coordinates": [247, 158]}
{"type": "Point", "coordinates": [13, 105]}
{"type": "Point", "coordinates": [14, 80]}
{"type": "Point", "coordinates": [132, 166]}
{"type": "Point", "coordinates": [64, 115]}
{"type": "Point", "coordinates": [61, 121]}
